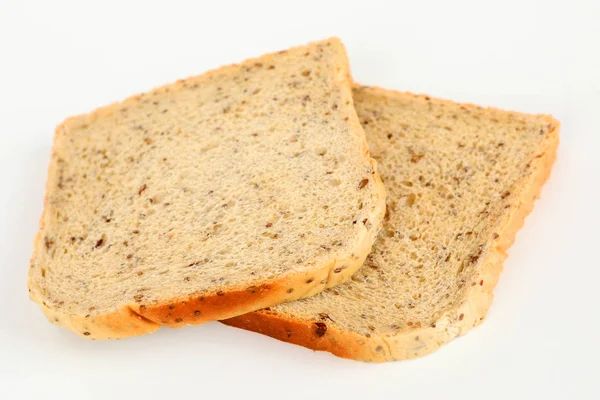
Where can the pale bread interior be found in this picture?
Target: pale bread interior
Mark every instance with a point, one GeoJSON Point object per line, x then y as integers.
{"type": "Point", "coordinates": [454, 174]}
{"type": "Point", "coordinates": [248, 174]}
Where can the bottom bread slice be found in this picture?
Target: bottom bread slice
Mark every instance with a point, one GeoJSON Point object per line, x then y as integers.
{"type": "Point", "coordinates": [460, 179]}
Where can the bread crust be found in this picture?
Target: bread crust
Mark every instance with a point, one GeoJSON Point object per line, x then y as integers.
{"type": "Point", "coordinates": [455, 322]}
{"type": "Point", "coordinates": [134, 319]}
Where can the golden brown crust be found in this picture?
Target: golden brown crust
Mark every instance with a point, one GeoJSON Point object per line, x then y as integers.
{"type": "Point", "coordinates": [138, 319]}
{"type": "Point", "coordinates": [315, 335]}
{"type": "Point", "coordinates": [451, 324]}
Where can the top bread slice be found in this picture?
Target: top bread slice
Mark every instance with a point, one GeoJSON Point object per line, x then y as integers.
{"type": "Point", "coordinates": [217, 195]}
{"type": "Point", "coordinates": [460, 180]}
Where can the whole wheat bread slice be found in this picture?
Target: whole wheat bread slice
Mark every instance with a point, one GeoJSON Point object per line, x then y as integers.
{"type": "Point", "coordinates": [217, 195]}
{"type": "Point", "coordinates": [460, 180]}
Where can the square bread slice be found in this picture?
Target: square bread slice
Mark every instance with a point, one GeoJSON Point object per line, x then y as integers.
{"type": "Point", "coordinates": [460, 180]}
{"type": "Point", "coordinates": [239, 189]}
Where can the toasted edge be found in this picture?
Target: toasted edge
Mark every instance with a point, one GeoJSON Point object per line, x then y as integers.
{"type": "Point", "coordinates": [454, 322]}
{"type": "Point", "coordinates": [134, 319]}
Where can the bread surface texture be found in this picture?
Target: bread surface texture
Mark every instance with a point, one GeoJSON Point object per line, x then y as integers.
{"type": "Point", "coordinates": [242, 188]}
{"type": "Point", "coordinates": [460, 180]}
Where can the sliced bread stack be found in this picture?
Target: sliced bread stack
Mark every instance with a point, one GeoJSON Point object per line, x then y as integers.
{"type": "Point", "coordinates": [248, 194]}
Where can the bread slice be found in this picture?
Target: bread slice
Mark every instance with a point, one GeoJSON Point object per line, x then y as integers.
{"type": "Point", "coordinates": [460, 181]}
{"type": "Point", "coordinates": [239, 189]}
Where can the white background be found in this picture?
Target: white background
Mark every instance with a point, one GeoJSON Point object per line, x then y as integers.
{"type": "Point", "coordinates": [541, 339]}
